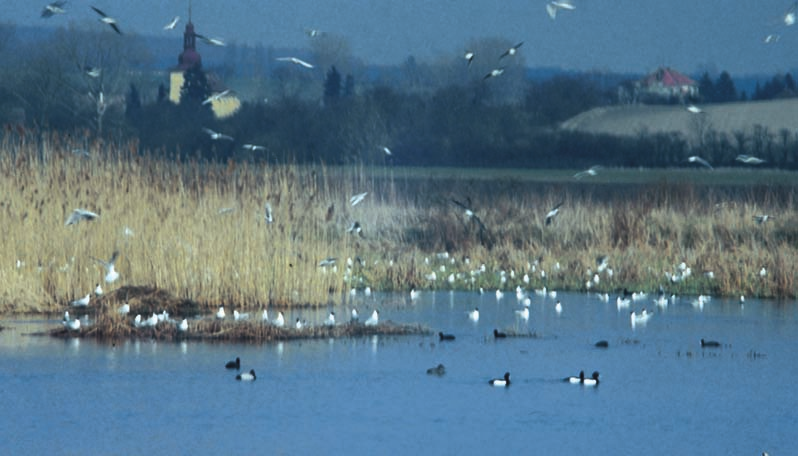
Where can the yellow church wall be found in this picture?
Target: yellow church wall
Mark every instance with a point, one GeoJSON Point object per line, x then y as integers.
{"type": "Point", "coordinates": [222, 107]}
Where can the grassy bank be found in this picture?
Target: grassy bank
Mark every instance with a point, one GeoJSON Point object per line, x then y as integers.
{"type": "Point", "coordinates": [199, 230]}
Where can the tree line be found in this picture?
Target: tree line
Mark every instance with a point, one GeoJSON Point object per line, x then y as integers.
{"type": "Point", "coordinates": [447, 112]}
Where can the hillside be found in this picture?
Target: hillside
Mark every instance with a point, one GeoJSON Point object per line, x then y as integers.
{"type": "Point", "coordinates": [727, 118]}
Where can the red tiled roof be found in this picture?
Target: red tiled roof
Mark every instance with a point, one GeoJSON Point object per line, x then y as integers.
{"type": "Point", "coordinates": [667, 77]}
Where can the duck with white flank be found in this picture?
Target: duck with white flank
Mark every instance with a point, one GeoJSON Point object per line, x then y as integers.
{"type": "Point", "coordinates": [578, 379]}
{"type": "Point", "coordinates": [501, 382]}
{"type": "Point", "coordinates": [247, 376]}
{"type": "Point", "coordinates": [592, 381]}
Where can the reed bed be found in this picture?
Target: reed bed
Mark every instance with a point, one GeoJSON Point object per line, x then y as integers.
{"type": "Point", "coordinates": [198, 230]}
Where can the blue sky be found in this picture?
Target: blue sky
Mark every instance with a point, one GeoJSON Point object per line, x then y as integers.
{"type": "Point", "coordinates": [603, 35]}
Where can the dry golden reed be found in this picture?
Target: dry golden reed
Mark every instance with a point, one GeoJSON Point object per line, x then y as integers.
{"type": "Point", "coordinates": [199, 230]}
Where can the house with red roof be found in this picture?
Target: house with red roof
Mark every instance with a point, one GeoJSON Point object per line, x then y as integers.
{"type": "Point", "coordinates": [665, 85]}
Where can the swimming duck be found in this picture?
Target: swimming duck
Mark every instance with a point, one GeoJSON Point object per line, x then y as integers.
{"type": "Point", "coordinates": [501, 382]}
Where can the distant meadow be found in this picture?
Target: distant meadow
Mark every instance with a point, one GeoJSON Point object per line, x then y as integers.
{"type": "Point", "coordinates": [199, 231]}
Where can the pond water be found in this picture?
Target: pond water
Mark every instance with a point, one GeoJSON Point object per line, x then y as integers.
{"type": "Point", "coordinates": [660, 392]}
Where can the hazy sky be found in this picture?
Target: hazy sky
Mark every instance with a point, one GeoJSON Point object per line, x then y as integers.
{"type": "Point", "coordinates": [615, 35]}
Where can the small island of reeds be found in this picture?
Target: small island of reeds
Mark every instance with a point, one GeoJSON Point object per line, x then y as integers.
{"type": "Point", "coordinates": [200, 232]}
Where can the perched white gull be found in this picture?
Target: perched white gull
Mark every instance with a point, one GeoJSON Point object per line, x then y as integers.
{"type": "Point", "coordinates": [73, 325]}
{"type": "Point", "coordinates": [280, 320]}
{"type": "Point", "coordinates": [110, 270]}
{"type": "Point", "coordinates": [552, 213]}
{"type": "Point", "coordinates": [553, 7]}
{"type": "Point", "coordinates": [512, 50]}
{"type": "Point", "coordinates": [295, 60]}
{"type": "Point", "coordinates": [98, 290]}
{"type": "Point", "coordinates": [373, 319]}
{"type": "Point", "coordinates": [330, 321]}
{"type": "Point", "coordinates": [78, 215]}
{"type": "Point", "coordinates": [82, 302]}
{"type": "Point", "coordinates": [238, 316]}
{"type": "Point", "coordinates": [523, 313]}
{"type": "Point", "coordinates": [357, 198]}
{"type": "Point", "coordinates": [354, 317]}
{"type": "Point", "coordinates": [106, 19]}
{"type": "Point", "coordinates": [474, 315]}
{"type": "Point", "coordinates": [172, 24]}
{"type": "Point", "coordinates": [124, 309]}
{"type": "Point", "coordinates": [216, 96]}
{"type": "Point", "coordinates": [216, 136]}
{"type": "Point", "coordinates": [749, 159]}
{"type": "Point", "coordinates": [54, 8]}
{"type": "Point", "coordinates": [220, 314]}
{"type": "Point", "coordinates": [183, 326]}
{"type": "Point", "coordinates": [699, 160]}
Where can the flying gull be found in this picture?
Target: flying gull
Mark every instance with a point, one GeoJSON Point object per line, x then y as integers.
{"type": "Point", "coordinates": [699, 160]}
{"type": "Point", "coordinates": [91, 71]}
{"type": "Point", "coordinates": [216, 136]}
{"type": "Point", "coordinates": [789, 17]}
{"type": "Point", "coordinates": [79, 215]}
{"type": "Point", "coordinates": [749, 159]}
{"type": "Point", "coordinates": [494, 73]}
{"type": "Point", "coordinates": [110, 271]}
{"type": "Point", "coordinates": [216, 96]}
{"type": "Point", "coordinates": [211, 41]}
{"type": "Point", "coordinates": [469, 56]}
{"type": "Point", "coordinates": [295, 61]}
{"type": "Point", "coordinates": [253, 147]}
{"type": "Point", "coordinates": [553, 7]}
{"type": "Point", "coordinates": [694, 109]}
{"type": "Point", "coordinates": [314, 33]}
{"type": "Point", "coordinates": [357, 198]}
{"type": "Point", "coordinates": [469, 212]}
{"type": "Point", "coordinates": [552, 213]}
{"type": "Point", "coordinates": [172, 24]}
{"type": "Point", "coordinates": [268, 213]}
{"type": "Point", "coordinates": [512, 51]}
{"type": "Point", "coordinates": [53, 8]}
{"type": "Point", "coordinates": [592, 171]}
{"type": "Point", "coordinates": [106, 19]}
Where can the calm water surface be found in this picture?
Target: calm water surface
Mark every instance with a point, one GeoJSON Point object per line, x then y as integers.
{"type": "Point", "coordinates": [660, 392]}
